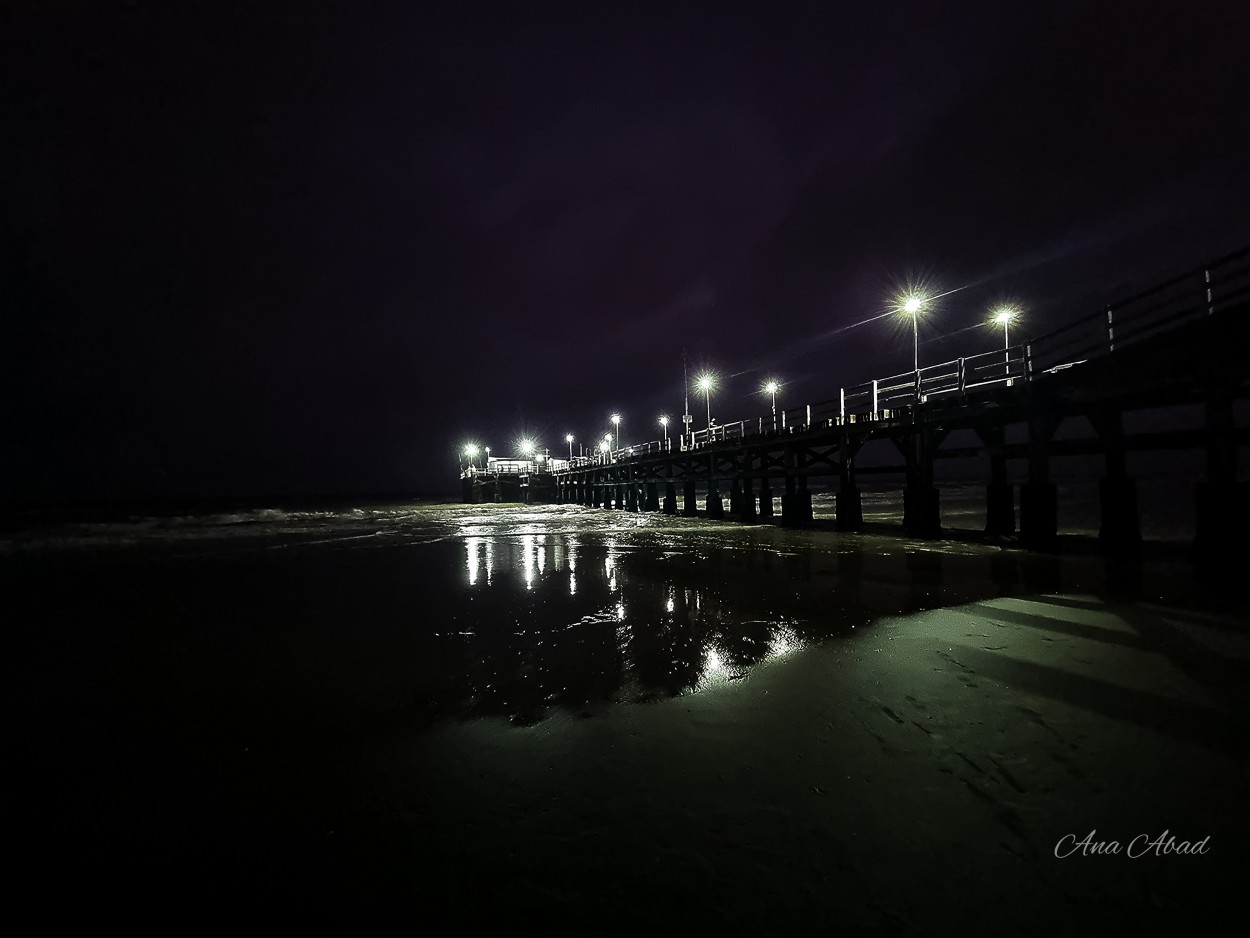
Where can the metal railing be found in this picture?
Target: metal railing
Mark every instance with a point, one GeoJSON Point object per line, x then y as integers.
{"type": "Point", "coordinates": [1222, 284]}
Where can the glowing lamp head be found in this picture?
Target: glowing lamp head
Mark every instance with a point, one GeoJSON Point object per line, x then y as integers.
{"type": "Point", "coordinates": [1004, 316]}
{"type": "Point", "coordinates": [771, 387]}
{"type": "Point", "coordinates": [527, 447]}
{"type": "Point", "coordinates": [705, 383]}
{"type": "Point", "coordinates": [912, 304]}
{"type": "Point", "coordinates": [616, 418]}
{"type": "Point", "coordinates": [664, 421]}
{"type": "Point", "coordinates": [470, 450]}
{"type": "Point", "coordinates": [605, 446]}
{"type": "Point", "coordinates": [568, 438]}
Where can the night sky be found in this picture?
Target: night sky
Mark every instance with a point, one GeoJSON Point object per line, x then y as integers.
{"type": "Point", "coordinates": [294, 248]}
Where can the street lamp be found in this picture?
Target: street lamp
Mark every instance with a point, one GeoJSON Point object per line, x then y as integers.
{"type": "Point", "coordinates": [706, 383]}
{"type": "Point", "coordinates": [527, 448]}
{"type": "Point", "coordinates": [771, 389]}
{"type": "Point", "coordinates": [605, 447]}
{"type": "Point", "coordinates": [1004, 317]}
{"type": "Point", "coordinates": [912, 305]}
{"type": "Point", "coordinates": [616, 422]}
{"type": "Point", "coordinates": [568, 438]}
{"type": "Point", "coordinates": [471, 452]}
{"type": "Point", "coordinates": [664, 424]}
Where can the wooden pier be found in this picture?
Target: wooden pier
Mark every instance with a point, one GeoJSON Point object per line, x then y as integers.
{"type": "Point", "coordinates": [1183, 342]}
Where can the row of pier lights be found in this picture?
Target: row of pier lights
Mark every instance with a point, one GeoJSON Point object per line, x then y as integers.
{"type": "Point", "coordinates": [606, 449]}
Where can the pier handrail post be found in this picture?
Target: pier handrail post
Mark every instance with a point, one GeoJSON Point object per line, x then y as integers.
{"type": "Point", "coordinates": [962, 379]}
{"type": "Point", "coordinates": [874, 398]}
{"type": "Point", "coordinates": [916, 389]}
{"type": "Point", "coordinates": [1110, 331]}
{"type": "Point", "coordinates": [1206, 276]}
{"type": "Point", "coordinates": [842, 404]}
{"type": "Point", "coordinates": [1028, 362]}
{"type": "Point", "coordinates": [808, 423]}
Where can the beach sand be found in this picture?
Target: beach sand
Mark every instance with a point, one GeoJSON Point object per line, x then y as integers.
{"type": "Point", "coordinates": [600, 721]}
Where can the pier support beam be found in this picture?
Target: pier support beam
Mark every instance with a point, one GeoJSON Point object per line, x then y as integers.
{"type": "Point", "coordinates": [848, 506]}
{"type": "Point", "coordinates": [1223, 518]}
{"type": "Point", "coordinates": [1000, 508]}
{"type": "Point", "coordinates": [796, 504]}
{"type": "Point", "coordinates": [1039, 514]}
{"type": "Point", "coordinates": [1120, 531]}
{"type": "Point", "coordinates": [766, 499]}
{"type": "Point", "coordinates": [651, 500]}
{"type": "Point", "coordinates": [620, 496]}
{"type": "Point", "coordinates": [746, 501]}
{"type": "Point", "coordinates": [1000, 505]}
{"type": "Point", "coordinates": [1223, 503]}
{"type": "Point", "coordinates": [631, 496]}
{"type": "Point", "coordinates": [715, 504]}
{"type": "Point", "coordinates": [1039, 500]}
{"type": "Point", "coordinates": [690, 505]}
{"type": "Point", "coordinates": [921, 499]}
{"type": "Point", "coordinates": [670, 498]}
{"type": "Point", "coordinates": [922, 514]}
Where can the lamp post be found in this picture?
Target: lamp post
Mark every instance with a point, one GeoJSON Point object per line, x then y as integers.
{"type": "Point", "coordinates": [771, 389]}
{"type": "Point", "coordinates": [664, 424]}
{"type": "Point", "coordinates": [1004, 317]}
{"type": "Point", "coordinates": [568, 438]}
{"type": "Point", "coordinates": [705, 385]}
{"type": "Point", "coordinates": [616, 422]}
{"type": "Point", "coordinates": [471, 452]}
{"type": "Point", "coordinates": [913, 305]}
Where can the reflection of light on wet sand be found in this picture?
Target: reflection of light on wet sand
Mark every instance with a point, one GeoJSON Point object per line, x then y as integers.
{"type": "Point", "coordinates": [714, 662]}
{"type": "Point", "coordinates": [527, 551]}
{"type": "Point", "coordinates": [572, 584]}
{"type": "Point", "coordinates": [490, 562]}
{"type": "Point", "coordinates": [669, 605]}
{"type": "Point", "coordinates": [783, 642]}
{"type": "Point", "coordinates": [540, 553]}
{"type": "Point", "coordinates": [620, 611]}
{"type": "Point", "coordinates": [471, 547]}
{"type": "Point", "coordinates": [609, 562]}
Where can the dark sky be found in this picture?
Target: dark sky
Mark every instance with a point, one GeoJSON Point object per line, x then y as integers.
{"type": "Point", "coordinates": [294, 248]}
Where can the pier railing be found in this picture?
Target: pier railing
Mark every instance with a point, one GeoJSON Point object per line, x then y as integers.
{"type": "Point", "coordinates": [1222, 284]}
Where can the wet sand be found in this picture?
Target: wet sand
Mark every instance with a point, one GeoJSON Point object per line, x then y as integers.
{"type": "Point", "coordinates": [595, 720]}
